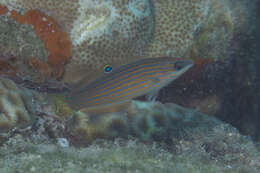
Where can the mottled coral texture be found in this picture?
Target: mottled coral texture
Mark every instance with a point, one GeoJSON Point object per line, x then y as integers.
{"type": "Point", "coordinates": [145, 120]}
{"type": "Point", "coordinates": [102, 32]}
{"type": "Point", "coordinates": [108, 32]}
{"type": "Point", "coordinates": [115, 32]}
{"type": "Point", "coordinates": [56, 42]}
{"type": "Point", "coordinates": [176, 24]}
{"type": "Point", "coordinates": [14, 106]}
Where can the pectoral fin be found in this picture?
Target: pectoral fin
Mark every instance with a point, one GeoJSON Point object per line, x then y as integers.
{"type": "Point", "coordinates": [152, 95]}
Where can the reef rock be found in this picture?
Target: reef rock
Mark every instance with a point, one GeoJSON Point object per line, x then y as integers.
{"type": "Point", "coordinates": [102, 32]}
{"type": "Point", "coordinates": [17, 105]}
{"type": "Point", "coordinates": [176, 23]}
{"type": "Point", "coordinates": [216, 39]}
{"type": "Point", "coordinates": [19, 43]}
{"type": "Point", "coordinates": [144, 120]}
{"type": "Point", "coordinates": [196, 143]}
{"type": "Point", "coordinates": [108, 33]}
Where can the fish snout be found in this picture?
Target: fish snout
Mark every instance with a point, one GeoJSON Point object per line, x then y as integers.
{"type": "Point", "coordinates": [183, 65]}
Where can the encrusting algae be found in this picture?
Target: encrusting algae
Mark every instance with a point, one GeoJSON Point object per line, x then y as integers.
{"type": "Point", "coordinates": [56, 42]}
{"type": "Point", "coordinates": [3, 9]}
{"type": "Point", "coordinates": [15, 109]}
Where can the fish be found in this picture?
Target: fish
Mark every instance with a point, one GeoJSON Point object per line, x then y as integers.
{"type": "Point", "coordinates": [142, 77]}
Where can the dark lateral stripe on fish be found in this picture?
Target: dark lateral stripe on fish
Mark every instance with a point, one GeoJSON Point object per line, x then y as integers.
{"type": "Point", "coordinates": [103, 100]}
{"type": "Point", "coordinates": [128, 82]}
{"type": "Point", "coordinates": [133, 76]}
{"type": "Point", "coordinates": [117, 83]}
{"type": "Point", "coordinates": [125, 86]}
{"type": "Point", "coordinates": [116, 74]}
{"type": "Point", "coordinates": [118, 90]}
{"type": "Point", "coordinates": [127, 95]}
{"type": "Point", "coordinates": [112, 82]}
{"type": "Point", "coordinates": [138, 64]}
{"type": "Point", "coordinates": [127, 89]}
{"type": "Point", "coordinates": [125, 69]}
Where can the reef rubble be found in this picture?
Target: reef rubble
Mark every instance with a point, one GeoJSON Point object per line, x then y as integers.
{"type": "Point", "coordinates": [149, 137]}
{"type": "Point", "coordinates": [197, 143]}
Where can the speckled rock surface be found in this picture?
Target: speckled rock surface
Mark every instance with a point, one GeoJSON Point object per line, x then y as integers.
{"type": "Point", "coordinates": [196, 144]}
{"type": "Point", "coordinates": [19, 43]}
{"type": "Point", "coordinates": [176, 23]}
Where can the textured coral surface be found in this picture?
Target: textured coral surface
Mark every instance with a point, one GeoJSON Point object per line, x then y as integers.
{"type": "Point", "coordinates": [198, 144]}
{"type": "Point", "coordinates": [19, 43]}
{"type": "Point", "coordinates": [147, 121]}
{"type": "Point", "coordinates": [176, 24]}
{"type": "Point", "coordinates": [110, 32]}
{"type": "Point", "coordinates": [15, 106]}
{"type": "Point", "coordinates": [33, 45]}
{"type": "Point", "coordinates": [56, 42]}
{"type": "Point", "coordinates": [102, 32]}
{"type": "Point", "coordinates": [39, 38]}
{"type": "Point", "coordinates": [106, 32]}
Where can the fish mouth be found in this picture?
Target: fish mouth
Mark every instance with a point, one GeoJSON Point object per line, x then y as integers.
{"type": "Point", "coordinates": [190, 63]}
{"type": "Point", "coordinates": [183, 65]}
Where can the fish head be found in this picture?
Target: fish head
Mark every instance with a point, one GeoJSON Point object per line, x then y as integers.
{"type": "Point", "coordinates": [128, 82]}
{"type": "Point", "coordinates": [177, 67]}
{"type": "Point", "coordinates": [181, 66]}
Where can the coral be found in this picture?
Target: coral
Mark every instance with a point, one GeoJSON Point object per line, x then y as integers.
{"type": "Point", "coordinates": [102, 32]}
{"type": "Point", "coordinates": [19, 43]}
{"type": "Point", "coordinates": [83, 128]}
{"type": "Point", "coordinates": [56, 42]}
{"type": "Point", "coordinates": [176, 25]}
{"type": "Point", "coordinates": [203, 145]}
{"type": "Point", "coordinates": [15, 106]}
{"type": "Point", "coordinates": [117, 32]}
{"type": "Point", "coordinates": [110, 32]}
{"type": "Point", "coordinates": [145, 120]}
{"type": "Point", "coordinates": [61, 107]}
{"type": "Point", "coordinates": [3, 9]}
{"type": "Point", "coordinates": [216, 39]}
{"type": "Point", "coordinates": [42, 67]}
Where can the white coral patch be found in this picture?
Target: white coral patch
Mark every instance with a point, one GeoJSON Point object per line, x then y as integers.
{"type": "Point", "coordinates": [140, 8]}
{"type": "Point", "coordinates": [93, 20]}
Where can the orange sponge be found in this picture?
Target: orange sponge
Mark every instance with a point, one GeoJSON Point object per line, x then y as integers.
{"type": "Point", "coordinates": [56, 41]}
{"type": "Point", "coordinates": [3, 9]}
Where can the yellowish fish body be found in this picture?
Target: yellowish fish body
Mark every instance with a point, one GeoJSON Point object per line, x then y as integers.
{"type": "Point", "coordinates": [128, 82]}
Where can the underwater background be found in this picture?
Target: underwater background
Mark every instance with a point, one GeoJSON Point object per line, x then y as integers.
{"type": "Point", "coordinates": [129, 86]}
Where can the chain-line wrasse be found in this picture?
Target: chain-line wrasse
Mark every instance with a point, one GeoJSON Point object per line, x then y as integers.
{"type": "Point", "coordinates": [128, 82]}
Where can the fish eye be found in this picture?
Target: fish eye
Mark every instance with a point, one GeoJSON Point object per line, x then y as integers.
{"type": "Point", "coordinates": [108, 69]}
